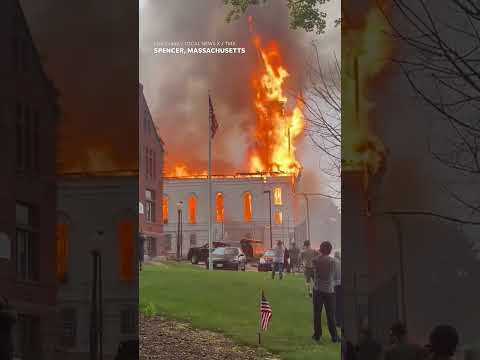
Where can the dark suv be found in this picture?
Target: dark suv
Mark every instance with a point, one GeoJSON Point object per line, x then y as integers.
{"type": "Point", "coordinates": [200, 254]}
{"type": "Point", "coordinates": [228, 258]}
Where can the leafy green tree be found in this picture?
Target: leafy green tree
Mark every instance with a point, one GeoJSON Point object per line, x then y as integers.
{"type": "Point", "coordinates": [304, 14]}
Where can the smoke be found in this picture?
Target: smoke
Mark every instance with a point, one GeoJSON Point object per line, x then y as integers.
{"type": "Point", "coordinates": [89, 51]}
{"type": "Point", "coordinates": [176, 86]}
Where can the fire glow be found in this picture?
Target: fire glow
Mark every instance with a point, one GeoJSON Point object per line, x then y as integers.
{"type": "Point", "coordinates": [367, 49]}
{"type": "Point", "coordinates": [277, 129]}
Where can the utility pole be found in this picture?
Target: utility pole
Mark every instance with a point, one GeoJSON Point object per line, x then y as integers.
{"type": "Point", "coordinates": [179, 228]}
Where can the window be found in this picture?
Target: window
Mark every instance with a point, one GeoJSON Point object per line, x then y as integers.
{"type": "Point", "coordinates": [165, 209]}
{"type": "Point", "coordinates": [168, 242]}
{"type": "Point", "coordinates": [26, 253]}
{"type": "Point", "coordinates": [125, 235]}
{"type": "Point", "coordinates": [20, 136]}
{"type": "Point", "coordinates": [193, 239]}
{"type": "Point", "coordinates": [150, 205]}
{"type": "Point", "coordinates": [278, 217]}
{"type": "Point", "coordinates": [62, 251]}
{"type": "Point", "coordinates": [247, 207]}
{"type": "Point", "coordinates": [128, 320]}
{"type": "Point", "coordinates": [36, 140]}
{"type": "Point", "coordinates": [154, 172]}
{"type": "Point", "coordinates": [219, 208]}
{"type": "Point", "coordinates": [69, 327]}
{"type": "Point", "coordinates": [192, 209]}
{"type": "Point", "coordinates": [277, 196]}
{"type": "Point", "coordinates": [28, 137]}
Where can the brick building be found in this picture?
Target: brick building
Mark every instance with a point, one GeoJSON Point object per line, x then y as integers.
{"type": "Point", "coordinates": [28, 116]}
{"type": "Point", "coordinates": [150, 178]}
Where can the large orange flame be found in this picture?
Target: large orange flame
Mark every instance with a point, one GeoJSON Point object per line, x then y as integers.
{"type": "Point", "coordinates": [367, 49]}
{"type": "Point", "coordinates": [277, 129]}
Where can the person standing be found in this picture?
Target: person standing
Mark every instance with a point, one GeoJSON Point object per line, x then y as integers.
{"type": "Point", "coordinates": [294, 253]}
{"type": "Point", "coordinates": [338, 290]}
{"type": "Point", "coordinates": [278, 259]}
{"type": "Point", "coordinates": [324, 267]}
{"type": "Point", "coordinates": [444, 341]}
{"type": "Point", "coordinates": [307, 256]}
{"type": "Point", "coordinates": [286, 260]}
{"type": "Point", "coordinates": [400, 348]}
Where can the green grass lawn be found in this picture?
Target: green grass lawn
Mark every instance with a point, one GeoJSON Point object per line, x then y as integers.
{"type": "Point", "coordinates": [228, 302]}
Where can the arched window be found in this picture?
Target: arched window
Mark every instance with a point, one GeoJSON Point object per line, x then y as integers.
{"type": "Point", "coordinates": [165, 209]}
{"type": "Point", "coordinates": [192, 209]}
{"type": "Point", "coordinates": [247, 207]}
{"type": "Point", "coordinates": [126, 241]}
{"type": "Point", "coordinates": [219, 208]}
{"type": "Point", "coordinates": [278, 217]}
{"type": "Point", "coordinates": [277, 196]}
{"type": "Point", "coordinates": [62, 248]}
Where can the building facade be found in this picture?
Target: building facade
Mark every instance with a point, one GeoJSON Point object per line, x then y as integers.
{"type": "Point", "coordinates": [97, 214]}
{"type": "Point", "coordinates": [28, 116]}
{"type": "Point", "coordinates": [150, 176]}
{"type": "Point", "coordinates": [241, 208]}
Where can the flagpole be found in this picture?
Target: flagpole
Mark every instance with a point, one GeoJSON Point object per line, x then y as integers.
{"type": "Point", "coordinates": [210, 260]}
{"type": "Point", "coordinates": [260, 322]}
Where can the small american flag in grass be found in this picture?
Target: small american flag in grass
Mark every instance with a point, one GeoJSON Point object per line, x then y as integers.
{"type": "Point", "coordinates": [265, 313]}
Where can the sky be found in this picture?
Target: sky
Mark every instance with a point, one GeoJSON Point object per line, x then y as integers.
{"type": "Point", "coordinates": [176, 86]}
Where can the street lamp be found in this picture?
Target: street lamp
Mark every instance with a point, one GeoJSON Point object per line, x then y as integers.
{"type": "Point", "coordinates": [179, 229]}
{"type": "Point", "coordinates": [270, 206]}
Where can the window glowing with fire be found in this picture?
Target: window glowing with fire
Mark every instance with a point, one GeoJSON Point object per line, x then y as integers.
{"type": "Point", "coordinates": [219, 208]}
{"type": "Point", "coordinates": [192, 209]}
{"type": "Point", "coordinates": [278, 217]}
{"type": "Point", "coordinates": [165, 209]}
{"type": "Point", "coordinates": [247, 207]}
{"type": "Point", "coordinates": [277, 196]}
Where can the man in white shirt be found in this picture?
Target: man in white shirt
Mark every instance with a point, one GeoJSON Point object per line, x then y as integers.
{"type": "Point", "coordinates": [324, 267]}
{"type": "Point", "coordinates": [338, 289]}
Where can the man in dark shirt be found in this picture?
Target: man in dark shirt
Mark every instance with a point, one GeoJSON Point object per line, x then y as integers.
{"type": "Point", "coordinates": [324, 267]}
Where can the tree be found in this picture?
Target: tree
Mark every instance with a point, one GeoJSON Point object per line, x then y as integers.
{"type": "Point", "coordinates": [323, 108]}
{"type": "Point", "coordinates": [443, 70]}
{"type": "Point", "coordinates": [304, 14]}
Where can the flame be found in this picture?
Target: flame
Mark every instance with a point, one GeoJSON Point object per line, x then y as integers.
{"type": "Point", "coordinates": [277, 129]}
{"type": "Point", "coordinates": [181, 170]}
{"type": "Point", "coordinates": [367, 49]}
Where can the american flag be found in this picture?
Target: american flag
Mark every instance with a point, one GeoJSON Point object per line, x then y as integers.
{"type": "Point", "coordinates": [213, 123]}
{"type": "Point", "coordinates": [265, 313]}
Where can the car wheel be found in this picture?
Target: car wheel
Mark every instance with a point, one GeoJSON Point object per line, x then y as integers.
{"type": "Point", "coordinates": [237, 267]}
{"type": "Point", "coordinates": [194, 259]}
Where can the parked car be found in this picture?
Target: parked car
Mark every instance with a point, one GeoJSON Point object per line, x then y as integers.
{"type": "Point", "coordinates": [266, 261]}
{"type": "Point", "coordinates": [200, 253]}
{"type": "Point", "coordinates": [228, 258]}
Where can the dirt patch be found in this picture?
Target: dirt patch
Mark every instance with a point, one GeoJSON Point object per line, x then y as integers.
{"type": "Point", "coordinates": [162, 339]}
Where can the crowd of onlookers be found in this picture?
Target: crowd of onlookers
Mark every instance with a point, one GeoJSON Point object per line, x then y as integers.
{"type": "Point", "coordinates": [322, 273]}
{"type": "Point", "coordinates": [443, 343]}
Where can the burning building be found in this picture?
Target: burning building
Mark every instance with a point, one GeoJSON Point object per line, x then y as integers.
{"type": "Point", "coordinates": [97, 214]}
{"type": "Point", "coordinates": [243, 207]}
{"type": "Point", "coordinates": [29, 113]}
{"type": "Point", "coordinates": [150, 177]}
{"type": "Point", "coordinates": [259, 202]}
